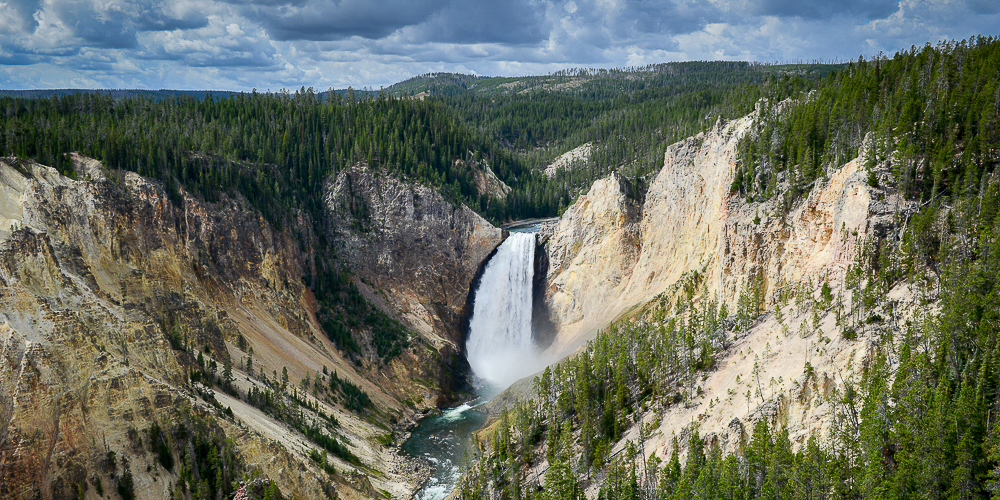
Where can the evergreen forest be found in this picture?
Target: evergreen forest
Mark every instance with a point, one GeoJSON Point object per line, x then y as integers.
{"type": "Point", "coordinates": [918, 423]}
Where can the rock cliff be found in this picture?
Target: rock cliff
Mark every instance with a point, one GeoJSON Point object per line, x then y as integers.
{"type": "Point", "coordinates": [410, 240]}
{"type": "Point", "coordinates": [111, 294]}
{"type": "Point", "coordinates": [579, 155]}
{"type": "Point", "coordinates": [610, 259]}
{"type": "Point", "coordinates": [608, 256]}
{"type": "Point", "coordinates": [591, 251]}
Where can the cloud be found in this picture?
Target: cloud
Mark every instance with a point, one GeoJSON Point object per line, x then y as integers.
{"type": "Point", "coordinates": [514, 22]}
{"type": "Point", "coordinates": [826, 9]}
{"type": "Point", "coordinates": [63, 27]}
{"type": "Point", "coordinates": [16, 59]}
{"type": "Point", "coordinates": [221, 43]}
{"type": "Point", "coordinates": [336, 20]}
{"type": "Point", "coordinates": [241, 44]}
{"type": "Point", "coordinates": [17, 16]}
{"type": "Point", "coordinates": [650, 17]}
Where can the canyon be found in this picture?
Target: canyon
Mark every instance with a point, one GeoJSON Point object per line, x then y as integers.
{"type": "Point", "coordinates": [110, 290]}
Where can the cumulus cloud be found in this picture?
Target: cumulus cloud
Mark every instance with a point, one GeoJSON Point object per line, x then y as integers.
{"type": "Point", "coordinates": [221, 43]}
{"type": "Point", "coordinates": [240, 44]}
{"type": "Point", "coordinates": [333, 20]}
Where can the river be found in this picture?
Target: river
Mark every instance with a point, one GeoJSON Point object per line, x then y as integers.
{"type": "Point", "coordinates": [500, 350]}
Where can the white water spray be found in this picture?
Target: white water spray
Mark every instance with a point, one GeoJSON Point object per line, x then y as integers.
{"type": "Point", "coordinates": [500, 346]}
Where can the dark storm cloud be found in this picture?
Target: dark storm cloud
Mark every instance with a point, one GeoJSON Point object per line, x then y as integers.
{"type": "Point", "coordinates": [115, 29]}
{"type": "Point", "coordinates": [242, 44]}
{"type": "Point", "coordinates": [337, 20]}
{"type": "Point", "coordinates": [825, 9]}
{"type": "Point", "coordinates": [670, 17]}
{"type": "Point", "coordinates": [512, 22]}
{"type": "Point", "coordinates": [18, 59]}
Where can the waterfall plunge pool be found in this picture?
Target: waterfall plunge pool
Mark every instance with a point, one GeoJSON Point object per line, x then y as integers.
{"type": "Point", "coordinates": [443, 440]}
{"type": "Point", "coordinates": [500, 350]}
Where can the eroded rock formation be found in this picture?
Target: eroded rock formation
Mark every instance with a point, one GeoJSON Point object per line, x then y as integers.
{"type": "Point", "coordinates": [409, 239]}
{"type": "Point", "coordinates": [607, 255]}
{"type": "Point", "coordinates": [609, 258]}
{"type": "Point", "coordinates": [109, 291]}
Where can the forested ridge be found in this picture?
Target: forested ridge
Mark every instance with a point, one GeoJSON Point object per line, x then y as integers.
{"type": "Point", "coordinates": [631, 115]}
{"type": "Point", "coordinates": [931, 112]}
{"type": "Point", "coordinates": [919, 420]}
{"type": "Point", "coordinates": [277, 150]}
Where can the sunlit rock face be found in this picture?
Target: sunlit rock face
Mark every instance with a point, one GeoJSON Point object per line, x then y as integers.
{"type": "Point", "coordinates": [95, 274]}
{"type": "Point", "coordinates": [590, 253]}
{"type": "Point", "coordinates": [109, 290]}
{"type": "Point", "coordinates": [611, 252]}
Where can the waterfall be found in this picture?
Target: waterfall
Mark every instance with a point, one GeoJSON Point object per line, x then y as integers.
{"type": "Point", "coordinates": [500, 347]}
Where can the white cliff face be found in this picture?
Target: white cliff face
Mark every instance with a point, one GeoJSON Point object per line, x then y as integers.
{"type": "Point", "coordinates": [576, 156]}
{"type": "Point", "coordinates": [591, 251]}
{"type": "Point", "coordinates": [677, 229]}
{"type": "Point", "coordinates": [12, 184]}
{"type": "Point", "coordinates": [686, 209]}
{"type": "Point", "coordinates": [607, 258]}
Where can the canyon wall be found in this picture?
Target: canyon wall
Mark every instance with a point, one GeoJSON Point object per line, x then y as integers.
{"type": "Point", "coordinates": [607, 256]}
{"type": "Point", "coordinates": [610, 259]}
{"type": "Point", "coordinates": [409, 239]}
{"type": "Point", "coordinates": [109, 291]}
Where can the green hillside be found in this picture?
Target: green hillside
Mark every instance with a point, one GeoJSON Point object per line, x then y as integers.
{"type": "Point", "coordinates": [920, 420]}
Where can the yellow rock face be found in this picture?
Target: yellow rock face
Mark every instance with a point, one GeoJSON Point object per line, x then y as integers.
{"type": "Point", "coordinates": [608, 256]}
{"type": "Point", "coordinates": [96, 275]}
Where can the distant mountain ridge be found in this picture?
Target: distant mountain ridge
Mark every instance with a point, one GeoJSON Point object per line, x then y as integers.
{"type": "Point", "coordinates": [116, 93]}
{"type": "Point", "coordinates": [160, 93]}
{"type": "Point", "coordinates": [455, 84]}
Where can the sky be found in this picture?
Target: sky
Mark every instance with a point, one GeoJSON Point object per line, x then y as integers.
{"type": "Point", "coordinates": [275, 44]}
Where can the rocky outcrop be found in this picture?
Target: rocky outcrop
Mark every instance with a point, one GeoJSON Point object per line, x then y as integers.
{"type": "Point", "coordinates": [591, 251]}
{"type": "Point", "coordinates": [610, 260]}
{"type": "Point", "coordinates": [409, 241]}
{"type": "Point", "coordinates": [487, 183]}
{"type": "Point", "coordinates": [577, 156]}
{"type": "Point", "coordinates": [606, 259]}
{"type": "Point", "coordinates": [108, 293]}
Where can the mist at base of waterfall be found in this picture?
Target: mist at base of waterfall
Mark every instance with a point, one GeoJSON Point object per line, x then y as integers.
{"type": "Point", "coordinates": [500, 346]}
{"type": "Point", "coordinates": [500, 350]}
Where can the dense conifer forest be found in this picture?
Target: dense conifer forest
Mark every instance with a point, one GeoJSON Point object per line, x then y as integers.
{"type": "Point", "coordinates": [920, 422]}
{"type": "Point", "coordinates": [275, 150]}
{"type": "Point", "coordinates": [630, 115]}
